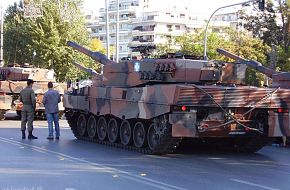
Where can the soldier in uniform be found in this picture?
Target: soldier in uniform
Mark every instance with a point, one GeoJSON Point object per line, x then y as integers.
{"type": "Point", "coordinates": [27, 97]}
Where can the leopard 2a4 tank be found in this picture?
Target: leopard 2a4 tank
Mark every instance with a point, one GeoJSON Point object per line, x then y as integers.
{"type": "Point", "coordinates": [150, 105]}
{"type": "Point", "coordinates": [13, 79]}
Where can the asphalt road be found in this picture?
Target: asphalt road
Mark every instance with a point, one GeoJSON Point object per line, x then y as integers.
{"type": "Point", "coordinates": [69, 164]}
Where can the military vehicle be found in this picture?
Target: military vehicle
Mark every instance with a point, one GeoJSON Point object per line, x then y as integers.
{"type": "Point", "coordinates": [13, 79]}
{"type": "Point", "coordinates": [150, 105]}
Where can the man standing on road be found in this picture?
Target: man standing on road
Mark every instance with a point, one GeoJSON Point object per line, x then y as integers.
{"type": "Point", "coordinates": [50, 100]}
{"type": "Point", "coordinates": [27, 97]}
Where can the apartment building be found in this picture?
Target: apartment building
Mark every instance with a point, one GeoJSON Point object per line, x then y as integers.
{"type": "Point", "coordinates": [156, 27]}
{"type": "Point", "coordinates": [143, 24]}
{"type": "Point", "coordinates": [226, 19]}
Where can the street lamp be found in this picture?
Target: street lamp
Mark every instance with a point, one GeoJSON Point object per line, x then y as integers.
{"type": "Point", "coordinates": [261, 7]}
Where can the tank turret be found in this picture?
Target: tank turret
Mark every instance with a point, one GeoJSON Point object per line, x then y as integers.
{"type": "Point", "coordinates": [154, 71]}
{"type": "Point", "coordinates": [280, 79]}
{"type": "Point", "coordinates": [17, 73]}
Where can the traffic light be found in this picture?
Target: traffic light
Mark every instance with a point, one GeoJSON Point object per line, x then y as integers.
{"type": "Point", "coordinates": [262, 5]}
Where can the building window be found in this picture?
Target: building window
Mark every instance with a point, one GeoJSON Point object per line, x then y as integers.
{"type": "Point", "coordinates": [151, 17]}
{"type": "Point", "coordinates": [177, 27]}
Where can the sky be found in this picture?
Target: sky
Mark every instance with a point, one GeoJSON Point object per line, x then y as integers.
{"type": "Point", "coordinates": [196, 6]}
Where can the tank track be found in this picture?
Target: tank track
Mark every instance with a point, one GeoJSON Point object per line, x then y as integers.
{"type": "Point", "coordinates": [166, 145]}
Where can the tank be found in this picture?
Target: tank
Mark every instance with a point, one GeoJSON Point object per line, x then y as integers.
{"type": "Point", "coordinates": [151, 105]}
{"type": "Point", "coordinates": [13, 80]}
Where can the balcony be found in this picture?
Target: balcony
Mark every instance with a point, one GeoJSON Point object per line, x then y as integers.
{"type": "Point", "coordinates": [141, 42]}
{"type": "Point", "coordinates": [121, 9]}
{"type": "Point", "coordinates": [112, 21]}
{"type": "Point", "coordinates": [142, 33]}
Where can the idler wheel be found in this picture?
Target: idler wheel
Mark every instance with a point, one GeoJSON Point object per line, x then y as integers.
{"type": "Point", "coordinates": [81, 125]}
{"type": "Point", "coordinates": [139, 135]}
{"type": "Point", "coordinates": [125, 133]}
{"type": "Point", "coordinates": [113, 130]}
{"type": "Point", "coordinates": [92, 127]}
{"type": "Point", "coordinates": [102, 128]}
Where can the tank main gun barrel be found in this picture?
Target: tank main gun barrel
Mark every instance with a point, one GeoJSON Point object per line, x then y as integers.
{"type": "Point", "coordinates": [87, 70]}
{"type": "Point", "coordinates": [251, 63]}
{"type": "Point", "coordinates": [97, 56]}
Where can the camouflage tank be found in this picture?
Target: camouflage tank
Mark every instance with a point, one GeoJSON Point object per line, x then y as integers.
{"type": "Point", "coordinates": [150, 105]}
{"type": "Point", "coordinates": [13, 80]}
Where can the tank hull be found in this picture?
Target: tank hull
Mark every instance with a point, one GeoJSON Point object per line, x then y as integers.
{"type": "Point", "coordinates": [158, 117]}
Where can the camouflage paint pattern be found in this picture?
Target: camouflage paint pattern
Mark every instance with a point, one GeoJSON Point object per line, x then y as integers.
{"type": "Point", "coordinates": [153, 101]}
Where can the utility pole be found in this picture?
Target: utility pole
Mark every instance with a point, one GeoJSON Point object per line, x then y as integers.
{"type": "Point", "coordinates": [107, 29]}
{"type": "Point", "coordinates": [1, 43]}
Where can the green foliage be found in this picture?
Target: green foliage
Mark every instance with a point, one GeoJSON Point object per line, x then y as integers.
{"type": "Point", "coordinates": [16, 37]}
{"type": "Point", "coordinates": [47, 37]}
{"type": "Point", "coordinates": [272, 26]}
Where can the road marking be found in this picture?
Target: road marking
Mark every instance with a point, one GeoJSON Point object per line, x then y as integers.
{"type": "Point", "coordinates": [114, 171]}
{"type": "Point", "coordinates": [254, 184]}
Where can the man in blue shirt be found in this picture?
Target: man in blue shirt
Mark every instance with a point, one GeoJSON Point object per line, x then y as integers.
{"type": "Point", "coordinates": [50, 100]}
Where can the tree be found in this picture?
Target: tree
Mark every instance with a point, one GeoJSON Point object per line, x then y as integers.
{"type": "Point", "coordinates": [16, 37]}
{"type": "Point", "coordinates": [272, 26]}
{"type": "Point", "coordinates": [47, 37]}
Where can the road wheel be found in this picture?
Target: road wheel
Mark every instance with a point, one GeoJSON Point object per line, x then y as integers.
{"type": "Point", "coordinates": [153, 137]}
{"type": "Point", "coordinates": [125, 133]}
{"type": "Point", "coordinates": [113, 130]}
{"type": "Point", "coordinates": [102, 128]}
{"type": "Point", "coordinates": [92, 127]}
{"type": "Point", "coordinates": [81, 125]}
{"type": "Point", "coordinates": [139, 135]}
